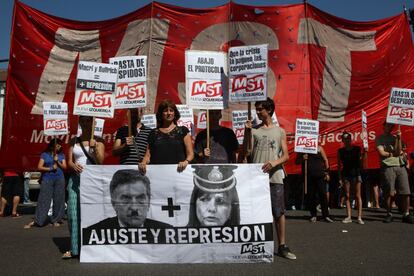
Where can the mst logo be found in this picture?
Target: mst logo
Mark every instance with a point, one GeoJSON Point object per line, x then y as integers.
{"type": "Point", "coordinates": [56, 124]}
{"type": "Point", "coordinates": [252, 248]}
{"type": "Point", "coordinates": [249, 84]}
{"type": "Point", "coordinates": [304, 141]}
{"type": "Point", "coordinates": [96, 100]}
{"type": "Point", "coordinates": [130, 91]}
{"type": "Point", "coordinates": [401, 112]}
{"type": "Point", "coordinates": [210, 90]}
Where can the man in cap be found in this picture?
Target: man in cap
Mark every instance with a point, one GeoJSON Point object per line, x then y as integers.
{"type": "Point", "coordinates": [394, 177]}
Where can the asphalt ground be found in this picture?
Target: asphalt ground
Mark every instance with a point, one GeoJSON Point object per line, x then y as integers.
{"type": "Point", "coordinates": [322, 248]}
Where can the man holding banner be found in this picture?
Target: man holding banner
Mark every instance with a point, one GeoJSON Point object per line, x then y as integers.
{"type": "Point", "coordinates": [270, 148]}
{"type": "Point", "coordinates": [393, 173]}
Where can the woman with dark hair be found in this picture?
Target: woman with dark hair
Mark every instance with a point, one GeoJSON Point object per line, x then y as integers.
{"type": "Point", "coordinates": [83, 151]}
{"type": "Point", "coordinates": [168, 143]}
{"type": "Point", "coordinates": [214, 201]}
{"type": "Point", "coordinates": [52, 163]}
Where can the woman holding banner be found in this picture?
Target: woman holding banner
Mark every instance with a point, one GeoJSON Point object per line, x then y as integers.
{"type": "Point", "coordinates": [168, 143]}
{"type": "Point", "coordinates": [52, 163]}
{"type": "Point", "coordinates": [84, 150]}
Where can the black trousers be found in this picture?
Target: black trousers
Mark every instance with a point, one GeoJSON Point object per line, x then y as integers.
{"type": "Point", "coordinates": [317, 189]}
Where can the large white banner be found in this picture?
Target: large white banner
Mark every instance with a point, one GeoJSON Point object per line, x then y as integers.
{"type": "Point", "coordinates": [95, 89]}
{"type": "Point", "coordinates": [206, 214]}
{"type": "Point", "coordinates": [248, 73]}
{"type": "Point", "coordinates": [55, 118]}
{"type": "Point", "coordinates": [401, 107]}
{"type": "Point", "coordinates": [205, 73]}
{"type": "Point", "coordinates": [131, 90]}
{"type": "Point", "coordinates": [306, 136]}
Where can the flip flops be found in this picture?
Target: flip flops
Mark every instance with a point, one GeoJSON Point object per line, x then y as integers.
{"type": "Point", "coordinates": [67, 255]}
{"type": "Point", "coordinates": [17, 215]}
{"type": "Point", "coordinates": [29, 225]}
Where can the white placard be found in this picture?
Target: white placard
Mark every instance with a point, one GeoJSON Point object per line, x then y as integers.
{"type": "Point", "coordinates": [55, 118]}
{"type": "Point", "coordinates": [306, 136]}
{"type": "Point", "coordinates": [202, 120]}
{"type": "Point", "coordinates": [248, 73]}
{"type": "Point", "coordinates": [171, 225]}
{"type": "Point", "coordinates": [95, 89]}
{"type": "Point", "coordinates": [205, 74]}
{"type": "Point", "coordinates": [401, 107]}
{"type": "Point", "coordinates": [99, 126]}
{"type": "Point", "coordinates": [149, 120]}
{"type": "Point", "coordinates": [364, 133]}
{"type": "Point", "coordinates": [131, 90]}
{"type": "Point", "coordinates": [239, 118]}
{"type": "Point", "coordinates": [186, 116]}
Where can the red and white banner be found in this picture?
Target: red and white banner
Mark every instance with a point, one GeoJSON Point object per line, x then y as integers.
{"type": "Point", "coordinates": [131, 89]}
{"type": "Point", "coordinates": [95, 89]}
{"type": "Point", "coordinates": [186, 117]}
{"type": "Point", "coordinates": [306, 136]}
{"type": "Point", "coordinates": [205, 74]}
{"type": "Point", "coordinates": [248, 73]}
{"type": "Point", "coordinates": [401, 107]}
{"type": "Point", "coordinates": [55, 118]}
{"type": "Point", "coordinates": [320, 67]}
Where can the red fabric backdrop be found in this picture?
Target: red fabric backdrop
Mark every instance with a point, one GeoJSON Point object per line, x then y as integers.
{"type": "Point", "coordinates": [321, 67]}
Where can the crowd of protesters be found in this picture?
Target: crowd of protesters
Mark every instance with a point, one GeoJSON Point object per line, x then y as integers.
{"type": "Point", "coordinates": [351, 187]}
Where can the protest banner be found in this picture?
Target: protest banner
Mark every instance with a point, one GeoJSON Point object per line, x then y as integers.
{"type": "Point", "coordinates": [364, 133]}
{"type": "Point", "coordinates": [248, 73]}
{"type": "Point", "coordinates": [205, 72]}
{"type": "Point", "coordinates": [401, 107]}
{"type": "Point", "coordinates": [95, 89]}
{"type": "Point", "coordinates": [170, 223]}
{"type": "Point", "coordinates": [186, 117]}
{"type": "Point", "coordinates": [149, 120]}
{"type": "Point", "coordinates": [98, 129]}
{"type": "Point", "coordinates": [239, 118]}
{"type": "Point", "coordinates": [55, 118]}
{"type": "Point", "coordinates": [306, 136]}
{"type": "Point", "coordinates": [131, 89]}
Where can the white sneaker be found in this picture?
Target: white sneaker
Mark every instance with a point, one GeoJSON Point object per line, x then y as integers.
{"type": "Point", "coordinates": [360, 221]}
{"type": "Point", "coordinates": [347, 220]}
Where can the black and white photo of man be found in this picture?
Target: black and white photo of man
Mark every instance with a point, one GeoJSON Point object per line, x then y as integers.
{"type": "Point", "coordinates": [130, 197]}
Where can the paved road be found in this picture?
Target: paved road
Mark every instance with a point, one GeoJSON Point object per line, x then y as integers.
{"type": "Point", "coordinates": [322, 249]}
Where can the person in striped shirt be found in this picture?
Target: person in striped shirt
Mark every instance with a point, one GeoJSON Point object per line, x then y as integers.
{"type": "Point", "coordinates": [131, 149]}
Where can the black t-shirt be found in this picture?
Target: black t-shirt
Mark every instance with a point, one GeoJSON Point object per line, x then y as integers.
{"type": "Point", "coordinates": [316, 165]}
{"type": "Point", "coordinates": [351, 161]}
{"type": "Point", "coordinates": [223, 143]}
{"type": "Point", "coordinates": [167, 148]}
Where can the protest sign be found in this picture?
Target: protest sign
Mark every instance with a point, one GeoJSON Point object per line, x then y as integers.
{"type": "Point", "coordinates": [364, 134]}
{"type": "Point", "coordinates": [170, 223]}
{"type": "Point", "coordinates": [205, 72]}
{"type": "Point", "coordinates": [248, 73]}
{"type": "Point", "coordinates": [131, 90]}
{"type": "Point", "coordinates": [202, 120]}
{"type": "Point", "coordinates": [401, 107]}
{"type": "Point", "coordinates": [306, 136]}
{"type": "Point", "coordinates": [95, 89]}
{"type": "Point", "coordinates": [186, 117]}
{"type": "Point", "coordinates": [99, 126]}
{"type": "Point", "coordinates": [149, 120]}
{"type": "Point", "coordinates": [55, 118]}
{"type": "Point", "coordinates": [239, 118]}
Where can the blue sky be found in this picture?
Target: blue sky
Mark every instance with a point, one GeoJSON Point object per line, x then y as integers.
{"type": "Point", "coordinates": [94, 10]}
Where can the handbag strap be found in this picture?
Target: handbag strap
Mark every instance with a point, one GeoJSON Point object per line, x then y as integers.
{"type": "Point", "coordinates": [91, 160]}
